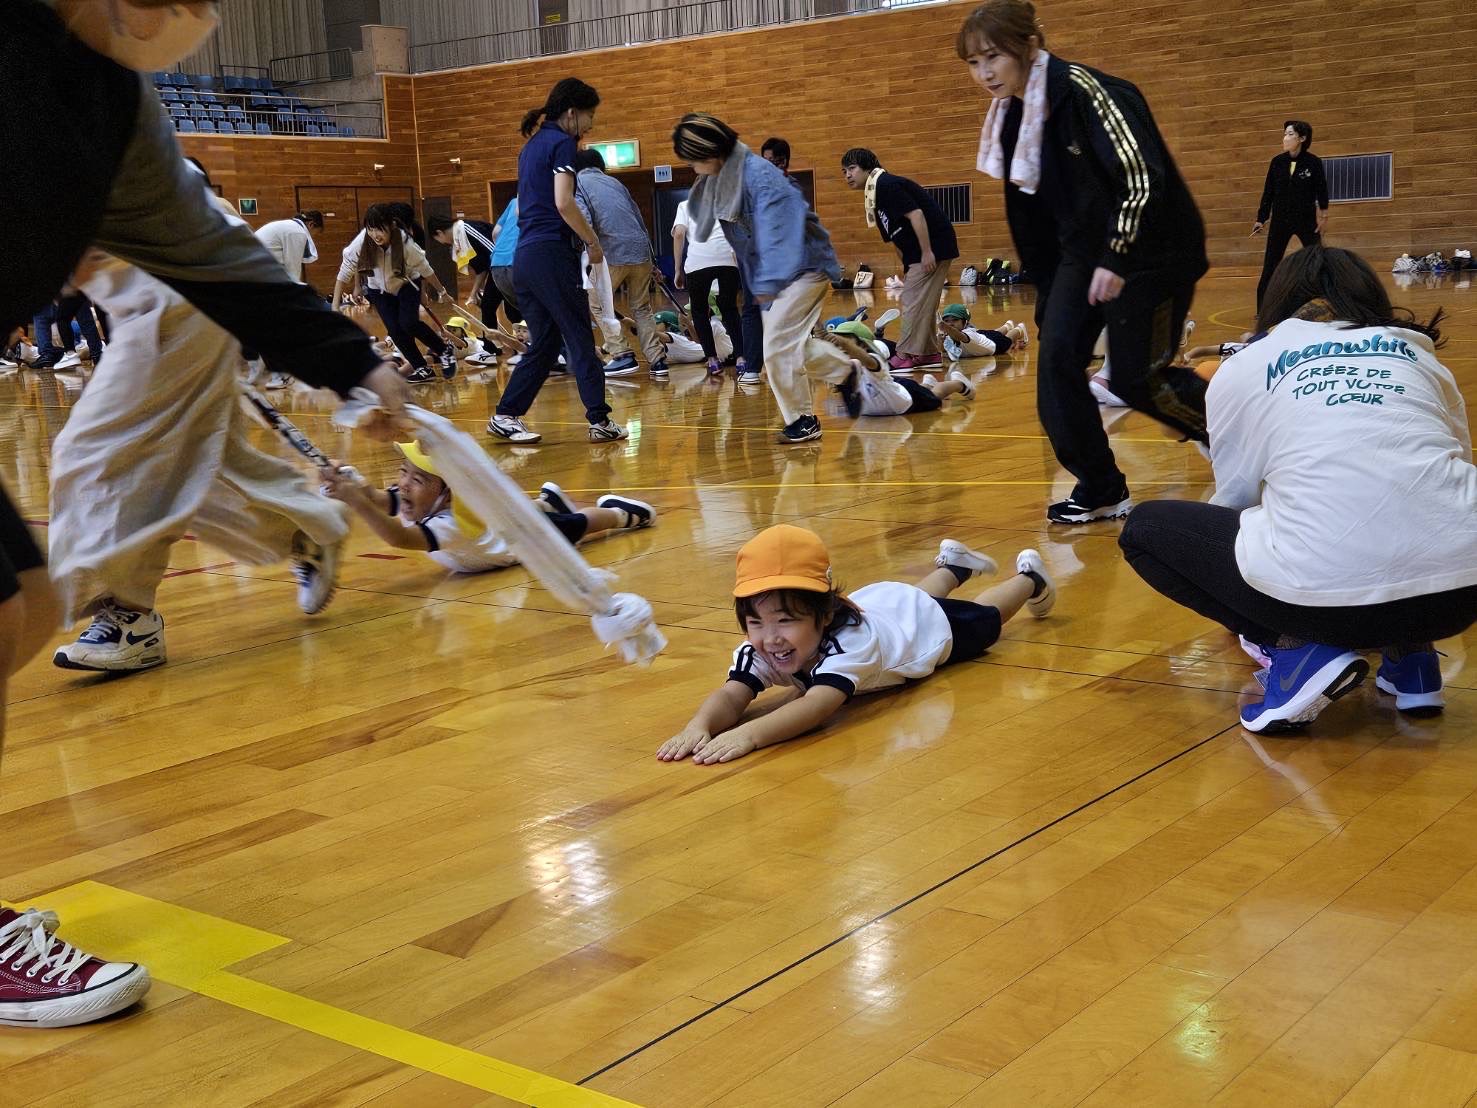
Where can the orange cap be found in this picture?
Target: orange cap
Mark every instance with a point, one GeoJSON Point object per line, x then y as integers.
{"type": "Point", "coordinates": [783, 557]}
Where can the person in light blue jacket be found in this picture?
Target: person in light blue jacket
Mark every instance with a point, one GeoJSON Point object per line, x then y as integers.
{"type": "Point", "coordinates": [783, 253]}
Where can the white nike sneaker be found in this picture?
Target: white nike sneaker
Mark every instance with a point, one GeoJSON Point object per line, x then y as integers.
{"type": "Point", "coordinates": [117, 641]}
{"type": "Point", "coordinates": [316, 570]}
{"type": "Point", "coordinates": [953, 554]}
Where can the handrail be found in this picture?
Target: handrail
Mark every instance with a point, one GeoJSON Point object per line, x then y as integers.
{"type": "Point", "coordinates": [701, 17]}
{"type": "Point", "coordinates": [319, 65]}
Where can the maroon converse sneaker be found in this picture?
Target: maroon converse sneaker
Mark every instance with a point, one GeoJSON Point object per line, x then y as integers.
{"type": "Point", "coordinates": [45, 982]}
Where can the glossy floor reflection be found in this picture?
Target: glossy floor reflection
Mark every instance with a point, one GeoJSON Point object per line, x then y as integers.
{"type": "Point", "coordinates": [1061, 873]}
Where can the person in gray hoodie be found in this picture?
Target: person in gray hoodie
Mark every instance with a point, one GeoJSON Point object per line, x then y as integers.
{"type": "Point", "coordinates": [783, 253]}
{"type": "Point", "coordinates": [617, 222]}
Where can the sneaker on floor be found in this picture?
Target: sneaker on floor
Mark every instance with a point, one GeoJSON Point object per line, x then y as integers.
{"type": "Point", "coordinates": [1072, 510]}
{"type": "Point", "coordinates": [623, 366]}
{"type": "Point", "coordinates": [1028, 562]}
{"type": "Point", "coordinates": [45, 982]}
{"type": "Point", "coordinates": [117, 641]}
{"type": "Point", "coordinates": [953, 554]}
{"type": "Point", "coordinates": [512, 429]}
{"type": "Point", "coordinates": [805, 429]}
{"type": "Point", "coordinates": [958, 375]}
{"type": "Point", "coordinates": [316, 569]}
{"type": "Point", "coordinates": [1301, 682]}
{"type": "Point", "coordinates": [1414, 681]}
{"type": "Point", "coordinates": [889, 316]}
{"type": "Point", "coordinates": [447, 358]}
{"type": "Point", "coordinates": [70, 360]}
{"type": "Point", "coordinates": [482, 360]}
{"type": "Point", "coordinates": [420, 376]}
{"type": "Point", "coordinates": [904, 363]}
{"type": "Point", "coordinates": [929, 361]}
{"type": "Point", "coordinates": [552, 495]}
{"type": "Point", "coordinates": [278, 381]}
{"type": "Point", "coordinates": [749, 376]}
{"type": "Point", "coordinates": [659, 370]}
{"type": "Point", "coordinates": [715, 367]}
{"type": "Point", "coordinates": [639, 514]}
{"type": "Point", "coordinates": [1103, 395]}
{"type": "Point", "coordinates": [46, 361]}
{"type": "Point", "coordinates": [607, 430]}
{"type": "Point", "coordinates": [1020, 336]}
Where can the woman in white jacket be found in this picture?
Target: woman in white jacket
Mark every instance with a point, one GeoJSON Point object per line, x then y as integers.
{"type": "Point", "coordinates": [391, 264]}
{"type": "Point", "coordinates": [1345, 512]}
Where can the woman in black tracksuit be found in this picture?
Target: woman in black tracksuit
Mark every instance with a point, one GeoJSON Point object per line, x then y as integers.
{"type": "Point", "coordinates": [1109, 233]}
{"type": "Point", "coordinates": [1295, 198]}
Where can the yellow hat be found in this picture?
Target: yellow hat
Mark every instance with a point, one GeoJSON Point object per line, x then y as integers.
{"type": "Point", "coordinates": [783, 557]}
{"type": "Point", "coordinates": [458, 321]}
{"type": "Point", "coordinates": [466, 521]}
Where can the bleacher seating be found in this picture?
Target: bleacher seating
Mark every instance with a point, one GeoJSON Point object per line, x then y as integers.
{"type": "Point", "coordinates": [231, 105]}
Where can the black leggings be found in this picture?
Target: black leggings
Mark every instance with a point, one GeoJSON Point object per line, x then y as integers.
{"type": "Point", "coordinates": [401, 313]}
{"type": "Point", "coordinates": [1144, 325]}
{"type": "Point", "coordinates": [699, 281]}
{"type": "Point", "coordinates": [1187, 551]}
{"type": "Point", "coordinates": [1279, 236]}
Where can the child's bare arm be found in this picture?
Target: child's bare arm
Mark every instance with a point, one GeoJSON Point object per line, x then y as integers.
{"type": "Point", "coordinates": [723, 708]}
{"type": "Point", "coordinates": [789, 721]}
{"type": "Point", "coordinates": [372, 505]}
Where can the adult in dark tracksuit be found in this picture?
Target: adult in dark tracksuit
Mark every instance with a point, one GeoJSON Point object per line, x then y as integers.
{"type": "Point", "coordinates": [1295, 199]}
{"type": "Point", "coordinates": [546, 269]}
{"type": "Point", "coordinates": [1107, 229]}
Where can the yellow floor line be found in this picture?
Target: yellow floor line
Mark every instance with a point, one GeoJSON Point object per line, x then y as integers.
{"type": "Point", "coordinates": [191, 950]}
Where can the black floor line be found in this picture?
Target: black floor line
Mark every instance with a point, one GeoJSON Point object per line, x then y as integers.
{"type": "Point", "coordinates": [899, 907]}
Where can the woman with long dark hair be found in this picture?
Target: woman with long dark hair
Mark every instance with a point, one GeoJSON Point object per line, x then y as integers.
{"type": "Point", "coordinates": [386, 258]}
{"type": "Point", "coordinates": [546, 268]}
{"type": "Point", "coordinates": [1107, 230]}
{"type": "Point", "coordinates": [1345, 511]}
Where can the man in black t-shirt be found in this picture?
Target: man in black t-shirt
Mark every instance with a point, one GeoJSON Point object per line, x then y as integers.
{"type": "Point", "coordinates": [1295, 197]}
{"type": "Point", "coordinates": [906, 216]}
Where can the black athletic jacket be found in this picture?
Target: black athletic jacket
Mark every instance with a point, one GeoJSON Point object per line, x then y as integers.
{"type": "Point", "coordinates": [1110, 193]}
{"type": "Point", "coordinates": [1294, 195]}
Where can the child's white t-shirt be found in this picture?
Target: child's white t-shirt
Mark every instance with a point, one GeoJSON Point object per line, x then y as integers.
{"type": "Point", "coordinates": [881, 395]}
{"type": "Point", "coordinates": [683, 350]}
{"type": "Point", "coordinates": [976, 345]}
{"type": "Point", "coordinates": [715, 251]}
{"type": "Point", "coordinates": [903, 635]}
{"type": "Point", "coordinates": [452, 547]}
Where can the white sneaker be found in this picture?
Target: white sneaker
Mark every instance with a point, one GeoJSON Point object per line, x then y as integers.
{"type": "Point", "coordinates": [117, 641]}
{"type": "Point", "coordinates": [278, 381]}
{"type": "Point", "coordinates": [316, 569]}
{"type": "Point", "coordinates": [512, 429]}
{"type": "Point", "coordinates": [485, 360]}
{"type": "Point", "coordinates": [930, 382]}
{"type": "Point", "coordinates": [889, 316]}
{"type": "Point", "coordinates": [958, 375]}
{"type": "Point", "coordinates": [955, 555]}
{"type": "Point", "coordinates": [45, 982]}
{"type": "Point", "coordinates": [1029, 561]}
{"type": "Point", "coordinates": [551, 499]}
{"type": "Point", "coordinates": [70, 360]}
{"type": "Point", "coordinates": [1020, 335]}
{"type": "Point", "coordinates": [607, 430]}
{"type": "Point", "coordinates": [1103, 395]}
{"type": "Point", "coordinates": [639, 514]}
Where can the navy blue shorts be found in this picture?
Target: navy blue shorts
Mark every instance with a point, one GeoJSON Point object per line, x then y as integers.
{"type": "Point", "coordinates": [976, 628]}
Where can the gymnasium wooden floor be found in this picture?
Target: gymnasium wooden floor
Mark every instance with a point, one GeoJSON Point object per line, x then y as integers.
{"type": "Point", "coordinates": [418, 850]}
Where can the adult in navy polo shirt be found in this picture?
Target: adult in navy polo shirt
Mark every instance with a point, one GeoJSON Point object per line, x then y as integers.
{"type": "Point", "coordinates": [546, 268]}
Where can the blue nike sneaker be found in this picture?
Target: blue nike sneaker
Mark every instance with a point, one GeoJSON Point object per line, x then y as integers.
{"type": "Point", "coordinates": [1300, 683]}
{"type": "Point", "coordinates": [1414, 681]}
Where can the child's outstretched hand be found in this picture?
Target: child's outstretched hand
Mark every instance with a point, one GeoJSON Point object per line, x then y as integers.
{"type": "Point", "coordinates": [724, 748]}
{"type": "Point", "coordinates": [683, 743]}
{"type": "Point", "coordinates": [341, 482]}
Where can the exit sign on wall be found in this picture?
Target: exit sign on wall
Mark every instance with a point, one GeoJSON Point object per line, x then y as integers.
{"type": "Point", "coordinates": [620, 154]}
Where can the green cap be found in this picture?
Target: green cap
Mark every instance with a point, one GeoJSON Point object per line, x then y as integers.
{"type": "Point", "coordinates": [956, 311]}
{"type": "Point", "coordinates": [669, 318]}
{"type": "Point", "coordinates": [856, 329]}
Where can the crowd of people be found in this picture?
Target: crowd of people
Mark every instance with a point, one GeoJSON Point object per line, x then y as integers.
{"type": "Point", "coordinates": [1337, 398]}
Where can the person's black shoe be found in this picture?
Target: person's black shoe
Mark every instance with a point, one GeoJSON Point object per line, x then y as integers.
{"type": "Point", "coordinates": [805, 429]}
{"type": "Point", "coordinates": [1072, 510]}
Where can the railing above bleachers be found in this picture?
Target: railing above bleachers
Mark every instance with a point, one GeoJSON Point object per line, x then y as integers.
{"type": "Point", "coordinates": [308, 69]}
{"type": "Point", "coordinates": [239, 105]}
{"type": "Point", "coordinates": [701, 17]}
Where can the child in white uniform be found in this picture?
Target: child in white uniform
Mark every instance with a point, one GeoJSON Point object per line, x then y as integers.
{"type": "Point", "coordinates": [685, 348]}
{"type": "Point", "coordinates": [418, 513]}
{"type": "Point", "coordinates": [872, 389]}
{"type": "Point", "coordinates": [960, 340]}
{"type": "Point", "coordinates": [823, 646]}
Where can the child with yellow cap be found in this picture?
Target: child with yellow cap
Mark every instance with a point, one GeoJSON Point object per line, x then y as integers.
{"type": "Point", "coordinates": [419, 513]}
{"type": "Point", "coordinates": [803, 633]}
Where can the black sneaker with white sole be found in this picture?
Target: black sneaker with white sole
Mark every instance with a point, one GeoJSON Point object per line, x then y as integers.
{"type": "Point", "coordinates": [1072, 510]}
{"type": "Point", "coordinates": [805, 429]}
{"type": "Point", "coordinates": [639, 514]}
{"type": "Point", "coordinates": [552, 495]}
{"type": "Point", "coordinates": [447, 358]}
{"type": "Point", "coordinates": [623, 366]}
{"type": "Point", "coordinates": [659, 370]}
{"type": "Point", "coordinates": [420, 376]}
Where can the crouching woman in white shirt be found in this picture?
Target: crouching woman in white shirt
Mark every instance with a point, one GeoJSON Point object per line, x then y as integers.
{"type": "Point", "coordinates": [1345, 512]}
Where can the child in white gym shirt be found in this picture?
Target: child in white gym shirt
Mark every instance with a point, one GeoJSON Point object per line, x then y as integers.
{"type": "Point", "coordinates": [802, 632]}
{"type": "Point", "coordinates": [419, 513]}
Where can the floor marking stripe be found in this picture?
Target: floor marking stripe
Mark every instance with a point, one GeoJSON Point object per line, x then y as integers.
{"type": "Point", "coordinates": [191, 950]}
